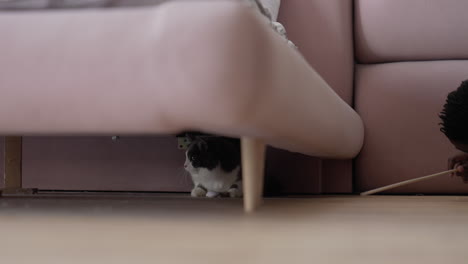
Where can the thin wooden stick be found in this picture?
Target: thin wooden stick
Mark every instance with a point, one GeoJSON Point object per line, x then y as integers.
{"type": "Point", "coordinates": [398, 184]}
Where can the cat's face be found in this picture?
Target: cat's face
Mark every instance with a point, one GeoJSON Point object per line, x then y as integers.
{"type": "Point", "coordinates": [198, 156]}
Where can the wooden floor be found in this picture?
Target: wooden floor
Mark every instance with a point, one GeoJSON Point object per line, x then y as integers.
{"type": "Point", "coordinates": [155, 229]}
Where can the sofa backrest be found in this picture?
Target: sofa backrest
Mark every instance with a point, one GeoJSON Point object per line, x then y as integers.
{"type": "Point", "coordinates": [410, 30]}
{"type": "Point", "coordinates": [410, 54]}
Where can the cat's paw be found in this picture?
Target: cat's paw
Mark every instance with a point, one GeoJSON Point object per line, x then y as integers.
{"type": "Point", "coordinates": [235, 193]}
{"type": "Point", "coordinates": [211, 194]}
{"type": "Point", "coordinates": [198, 192]}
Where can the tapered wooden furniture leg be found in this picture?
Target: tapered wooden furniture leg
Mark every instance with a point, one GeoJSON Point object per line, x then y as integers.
{"type": "Point", "coordinates": [12, 180]}
{"type": "Point", "coordinates": [253, 166]}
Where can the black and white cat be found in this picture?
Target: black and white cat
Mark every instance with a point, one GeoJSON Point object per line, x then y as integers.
{"type": "Point", "coordinates": [214, 165]}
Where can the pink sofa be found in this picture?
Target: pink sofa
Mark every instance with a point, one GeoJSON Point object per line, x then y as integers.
{"type": "Point", "coordinates": [394, 63]}
{"type": "Point", "coordinates": [211, 65]}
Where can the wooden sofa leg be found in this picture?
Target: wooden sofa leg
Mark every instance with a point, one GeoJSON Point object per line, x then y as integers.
{"type": "Point", "coordinates": [13, 156]}
{"type": "Point", "coordinates": [253, 166]}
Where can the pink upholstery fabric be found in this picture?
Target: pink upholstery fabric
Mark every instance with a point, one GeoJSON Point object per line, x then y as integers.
{"type": "Point", "coordinates": [399, 103]}
{"type": "Point", "coordinates": [48, 4]}
{"type": "Point", "coordinates": [322, 29]}
{"type": "Point", "coordinates": [163, 70]}
{"type": "Point", "coordinates": [400, 30]}
{"type": "Point", "coordinates": [97, 163]}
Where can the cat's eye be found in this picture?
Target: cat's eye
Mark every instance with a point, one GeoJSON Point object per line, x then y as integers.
{"type": "Point", "coordinates": [193, 158]}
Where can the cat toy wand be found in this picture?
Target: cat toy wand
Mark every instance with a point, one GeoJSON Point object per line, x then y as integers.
{"type": "Point", "coordinates": [398, 184]}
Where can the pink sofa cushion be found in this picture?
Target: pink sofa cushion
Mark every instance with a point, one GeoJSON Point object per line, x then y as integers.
{"type": "Point", "coordinates": [399, 103]}
{"type": "Point", "coordinates": [401, 30]}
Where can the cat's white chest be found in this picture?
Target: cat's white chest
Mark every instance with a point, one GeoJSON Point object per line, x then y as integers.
{"type": "Point", "coordinates": [216, 180]}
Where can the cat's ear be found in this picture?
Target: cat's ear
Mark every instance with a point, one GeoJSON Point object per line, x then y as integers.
{"type": "Point", "coordinates": [189, 137]}
{"type": "Point", "coordinates": [202, 144]}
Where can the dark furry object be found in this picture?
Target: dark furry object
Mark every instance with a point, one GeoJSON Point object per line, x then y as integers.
{"type": "Point", "coordinates": [209, 152]}
{"type": "Point", "coordinates": [454, 115]}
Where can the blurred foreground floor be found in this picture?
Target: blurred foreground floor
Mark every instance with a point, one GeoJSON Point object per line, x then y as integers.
{"type": "Point", "coordinates": [165, 229]}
